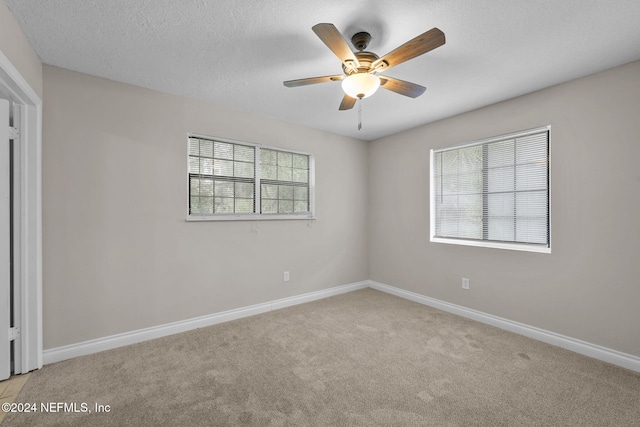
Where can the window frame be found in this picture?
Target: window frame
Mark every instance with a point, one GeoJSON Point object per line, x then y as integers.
{"type": "Point", "coordinates": [528, 247]}
{"type": "Point", "coordinates": [255, 216]}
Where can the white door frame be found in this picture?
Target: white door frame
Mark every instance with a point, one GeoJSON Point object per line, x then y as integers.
{"type": "Point", "coordinates": [5, 233]}
{"type": "Point", "coordinates": [28, 218]}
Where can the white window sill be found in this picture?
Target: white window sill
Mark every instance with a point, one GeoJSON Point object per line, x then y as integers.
{"type": "Point", "coordinates": [249, 217]}
{"type": "Point", "coordinates": [496, 245]}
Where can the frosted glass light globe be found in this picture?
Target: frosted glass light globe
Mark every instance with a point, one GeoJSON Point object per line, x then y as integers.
{"type": "Point", "coordinates": [360, 85]}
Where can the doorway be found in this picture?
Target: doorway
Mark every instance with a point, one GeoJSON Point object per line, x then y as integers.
{"type": "Point", "coordinates": [20, 224]}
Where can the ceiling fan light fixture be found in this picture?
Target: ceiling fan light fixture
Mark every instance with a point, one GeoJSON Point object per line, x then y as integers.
{"type": "Point", "coordinates": [360, 85]}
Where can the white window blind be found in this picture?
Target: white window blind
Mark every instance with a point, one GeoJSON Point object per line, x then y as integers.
{"type": "Point", "coordinates": [221, 177]}
{"type": "Point", "coordinates": [495, 190]}
{"type": "Point", "coordinates": [284, 182]}
{"type": "Point", "coordinates": [232, 180]}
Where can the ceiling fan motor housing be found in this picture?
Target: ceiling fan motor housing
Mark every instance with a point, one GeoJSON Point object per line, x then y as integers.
{"type": "Point", "coordinates": [365, 59]}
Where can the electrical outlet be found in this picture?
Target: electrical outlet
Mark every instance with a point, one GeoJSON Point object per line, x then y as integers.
{"type": "Point", "coordinates": [465, 283]}
{"type": "Point", "coordinates": [286, 276]}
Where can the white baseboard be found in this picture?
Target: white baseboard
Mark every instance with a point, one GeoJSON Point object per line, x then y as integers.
{"type": "Point", "coordinates": [113, 341]}
{"type": "Point", "coordinates": [614, 357]}
{"type": "Point", "coordinates": [58, 354]}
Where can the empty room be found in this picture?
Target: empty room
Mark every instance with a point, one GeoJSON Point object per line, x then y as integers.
{"type": "Point", "coordinates": [327, 213]}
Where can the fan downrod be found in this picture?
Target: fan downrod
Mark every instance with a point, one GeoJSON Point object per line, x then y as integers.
{"type": "Point", "coordinates": [361, 40]}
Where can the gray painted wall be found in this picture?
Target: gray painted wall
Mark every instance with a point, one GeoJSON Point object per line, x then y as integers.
{"type": "Point", "coordinates": [589, 286]}
{"type": "Point", "coordinates": [117, 252]}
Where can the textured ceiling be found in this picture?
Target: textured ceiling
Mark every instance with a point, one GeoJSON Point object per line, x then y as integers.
{"type": "Point", "coordinates": [237, 53]}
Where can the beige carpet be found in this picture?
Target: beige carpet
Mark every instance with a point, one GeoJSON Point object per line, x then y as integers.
{"type": "Point", "coordinates": [359, 359]}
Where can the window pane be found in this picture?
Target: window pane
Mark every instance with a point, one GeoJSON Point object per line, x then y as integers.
{"type": "Point", "coordinates": [501, 205]}
{"type": "Point", "coordinates": [531, 148]}
{"type": "Point", "coordinates": [468, 182]}
{"type": "Point", "coordinates": [531, 230]}
{"type": "Point", "coordinates": [471, 228]}
{"type": "Point", "coordinates": [206, 205]}
{"type": "Point", "coordinates": [243, 170]}
{"type": "Point", "coordinates": [194, 147]}
{"type": "Point", "coordinates": [301, 206]}
{"type": "Point", "coordinates": [194, 206]}
{"type": "Point", "coordinates": [300, 175]}
{"type": "Point", "coordinates": [224, 205]}
{"type": "Point", "coordinates": [194, 165]}
{"type": "Point", "coordinates": [449, 160]}
{"type": "Point", "coordinates": [206, 187]}
{"type": "Point", "coordinates": [470, 159]}
{"type": "Point", "coordinates": [244, 190]}
{"type": "Point", "coordinates": [194, 186]}
{"type": "Point", "coordinates": [268, 157]}
{"type": "Point", "coordinates": [286, 192]}
{"type": "Point", "coordinates": [531, 204]}
{"type": "Point", "coordinates": [244, 153]}
{"type": "Point", "coordinates": [269, 206]}
{"type": "Point", "coordinates": [284, 174]}
{"type": "Point", "coordinates": [206, 148]}
{"type": "Point", "coordinates": [531, 176]}
{"type": "Point", "coordinates": [269, 191]}
{"type": "Point", "coordinates": [223, 150]}
{"type": "Point", "coordinates": [459, 171]}
{"type": "Point", "coordinates": [285, 159]}
{"type": "Point", "coordinates": [223, 167]}
{"type": "Point", "coordinates": [501, 179]}
{"type": "Point", "coordinates": [300, 161]}
{"type": "Point", "coordinates": [206, 166]}
{"type": "Point", "coordinates": [301, 193]}
{"type": "Point", "coordinates": [470, 211]}
{"type": "Point", "coordinates": [501, 153]}
{"type": "Point", "coordinates": [502, 229]}
{"type": "Point", "coordinates": [224, 189]}
{"type": "Point", "coordinates": [460, 216]}
{"type": "Point", "coordinates": [244, 205]}
{"type": "Point", "coordinates": [285, 206]}
{"type": "Point", "coordinates": [269, 172]}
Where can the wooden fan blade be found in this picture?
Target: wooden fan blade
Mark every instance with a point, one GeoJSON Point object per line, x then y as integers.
{"type": "Point", "coordinates": [330, 36]}
{"type": "Point", "coordinates": [312, 80]}
{"type": "Point", "coordinates": [402, 87]}
{"type": "Point", "coordinates": [415, 47]}
{"type": "Point", "coordinates": [347, 103]}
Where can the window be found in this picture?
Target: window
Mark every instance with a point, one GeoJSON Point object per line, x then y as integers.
{"type": "Point", "coordinates": [237, 180]}
{"type": "Point", "coordinates": [493, 193]}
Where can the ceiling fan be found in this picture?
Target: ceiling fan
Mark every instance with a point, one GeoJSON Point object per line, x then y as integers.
{"type": "Point", "coordinates": [360, 78]}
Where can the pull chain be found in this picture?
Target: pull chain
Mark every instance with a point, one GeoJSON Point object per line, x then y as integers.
{"type": "Point", "coordinates": [359, 113]}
